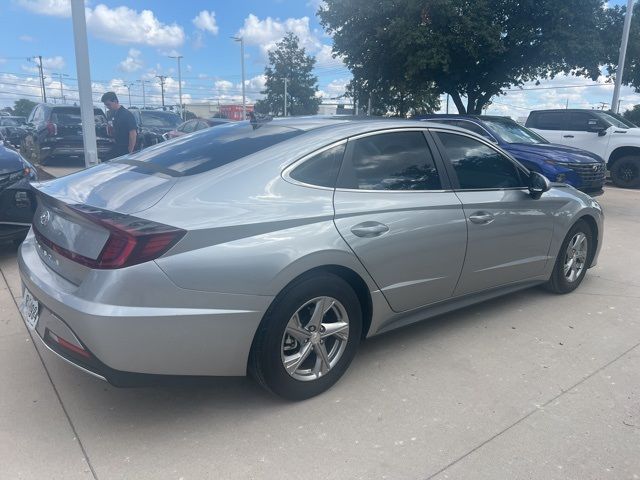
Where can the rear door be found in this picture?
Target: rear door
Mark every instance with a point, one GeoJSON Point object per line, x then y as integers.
{"type": "Point", "coordinates": [68, 122]}
{"type": "Point", "coordinates": [549, 124]}
{"type": "Point", "coordinates": [509, 233]}
{"type": "Point", "coordinates": [395, 209]}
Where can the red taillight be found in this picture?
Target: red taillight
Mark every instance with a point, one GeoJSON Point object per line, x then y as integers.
{"type": "Point", "coordinates": [52, 129]}
{"type": "Point", "coordinates": [131, 240]}
{"type": "Point", "coordinates": [69, 346]}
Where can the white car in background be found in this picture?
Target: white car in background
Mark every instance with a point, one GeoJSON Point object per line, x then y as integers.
{"type": "Point", "coordinates": [616, 141]}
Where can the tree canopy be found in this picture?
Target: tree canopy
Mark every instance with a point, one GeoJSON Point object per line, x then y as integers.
{"type": "Point", "coordinates": [473, 49]}
{"type": "Point", "coordinates": [289, 61]}
{"type": "Point", "coordinates": [23, 107]}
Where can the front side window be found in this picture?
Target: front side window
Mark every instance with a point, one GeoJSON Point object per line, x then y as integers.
{"type": "Point", "coordinates": [390, 161]}
{"type": "Point", "coordinates": [321, 169]}
{"type": "Point", "coordinates": [478, 166]}
{"type": "Point", "coordinates": [579, 122]}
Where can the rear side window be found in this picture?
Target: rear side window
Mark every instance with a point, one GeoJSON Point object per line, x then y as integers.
{"type": "Point", "coordinates": [321, 169]}
{"type": "Point", "coordinates": [213, 147]}
{"type": "Point", "coordinates": [478, 166]}
{"type": "Point", "coordinates": [390, 161]}
{"type": "Point", "coordinates": [548, 120]}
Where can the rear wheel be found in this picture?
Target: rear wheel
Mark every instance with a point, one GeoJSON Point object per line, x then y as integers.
{"type": "Point", "coordinates": [308, 338]}
{"type": "Point", "coordinates": [573, 259]}
{"type": "Point", "coordinates": [625, 172]}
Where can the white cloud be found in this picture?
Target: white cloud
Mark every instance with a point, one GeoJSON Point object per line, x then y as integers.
{"type": "Point", "coordinates": [53, 63]}
{"type": "Point", "coordinates": [26, 38]}
{"type": "Point", "coordinates": [324, 58]}
{"type": "Point", "coordinates": [266, 33]}
{"type": "Point", "coordinates": [133, 62]}
{"type": "Point", "coordinates": [122, 25]}
{"type": "Point", "coordinates": [197, 40]}
{"type": "Point", "coordinates": [206, 21]}
{"type": "Point", "coordinates": [55, 8]}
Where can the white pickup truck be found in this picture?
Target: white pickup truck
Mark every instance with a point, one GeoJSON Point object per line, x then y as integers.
{"type": "Point", "coordinates": [613, 138]}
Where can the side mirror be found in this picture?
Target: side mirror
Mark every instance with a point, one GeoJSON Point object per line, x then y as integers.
{"type": "Point", "coordinates": [538, 184]}
{"type": "Point", "coordinates": [595, 127]}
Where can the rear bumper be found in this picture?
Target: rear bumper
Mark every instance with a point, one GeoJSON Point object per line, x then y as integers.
{"type": "Point", "coordinates": [204, 334]}
{"type": "Point", "coordinates": [73, 148]}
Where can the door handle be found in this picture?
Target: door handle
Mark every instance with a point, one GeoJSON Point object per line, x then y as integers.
{"type": "Point", "coordinates": [369, 229]}
{"type": "Point", "coordinates": [567, 136]}
{"type": "Point", "coordinates": [481, 218]}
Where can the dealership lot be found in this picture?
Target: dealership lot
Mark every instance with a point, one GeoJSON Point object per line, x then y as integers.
{"type": "Point", "coordinates": [532, 385]}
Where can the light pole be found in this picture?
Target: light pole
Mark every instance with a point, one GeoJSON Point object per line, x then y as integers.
{"type": "Point", "coordinates": [60, 75]}
{"type": "Point", "coordinates": [285, 96]}
{"type": "Point", "coordinates": [162, 79]}
{"type": "Point", "coordinates": [44, 91]}
{"type": "Point", "coordinates": [144, 98]}
{"type": "Point", "coordinates": [128, 85]}
{"type": "Point", "coordinates": [244, 102]}
{"type": "Point", "coordinates": [178, 57]}
{"type": "Point", "coordinates": [623, 53]}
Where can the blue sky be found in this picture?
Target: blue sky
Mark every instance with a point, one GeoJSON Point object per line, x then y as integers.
{"type": "Point", "coordinates": [130, 40]}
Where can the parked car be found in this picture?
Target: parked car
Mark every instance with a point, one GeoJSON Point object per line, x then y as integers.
{"type": "Point", "coordinates": [597, 132]}
{"type": "Point", "coordinates": [580, 169]}
{"type": "Point", "coordinates": [276, 247]}
{"type": "Point", "coordinates": [152, 124]}
{"type": "Point", "coordinates": [17, 203]}
{"type": "Point", "coordinates": [193, 125]}
{"type": "Point", "coordinates": [56, 131]}
{"type": "Point", "coordinates": [12, 129]}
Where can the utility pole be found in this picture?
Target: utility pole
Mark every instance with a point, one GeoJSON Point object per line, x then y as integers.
{"type": "Point", "coordinates": [244, 102]}
{"type": "Point", "coordinates": [623, 53]}
{"type": "Point", "coordinates": [162, 79]}
{"type": "Point", "coordinates": [285, 96]}
{"type": "Point", "coordinates": [41, 73]}
{"type": "Point", "coordinates": [84, 82]}
{"type": "Point", "coordinates": [144, 98]}
{"type": "Point", "coordinates": [178, 57]}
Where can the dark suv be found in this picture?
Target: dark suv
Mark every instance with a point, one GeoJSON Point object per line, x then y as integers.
{"type": "Point", "coordinates": [12, 128]}
{"type": "Point", "coordinates": [152, 124]}
{"type": "Point", "coordinates": [56, 130]}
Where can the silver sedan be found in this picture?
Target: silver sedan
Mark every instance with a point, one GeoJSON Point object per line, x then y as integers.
{"type": "Point", "coordinates": [274, 248]}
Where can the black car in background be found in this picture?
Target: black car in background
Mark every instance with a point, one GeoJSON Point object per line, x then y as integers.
{"type": "Point", "coordinates": [152, 124]}
{"type": "Point", "coordinates": [56, 130]}
{"type": "Point", "coordinates": [17, 203]}
{"type": "Point", "coordinates": [12, 129]}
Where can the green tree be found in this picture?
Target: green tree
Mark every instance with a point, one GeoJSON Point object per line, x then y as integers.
{"type": "Point", "coordinates": [398, 99]}
{"type": "Point", "coordinates": [23, 107]}
{"type": "Point", "coordinates": [615, 21]}
{"type": "Point", "coordinates": [288, 60]}
{"type": "Point", "coordinates": [467, 48]}
{"type": "Point", "coordinates": [633, 115]}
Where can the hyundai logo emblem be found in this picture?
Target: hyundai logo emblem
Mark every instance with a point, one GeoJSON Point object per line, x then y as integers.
{"type": "Point", "coordinates": [596, 168]}
{"type": "Point", "coordinates": [45, 217]}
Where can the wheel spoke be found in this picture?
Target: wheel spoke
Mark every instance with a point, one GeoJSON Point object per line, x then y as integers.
{"type": "Point", "coordinates": [293, 362]}
{"type": "Point", "coordinates": [339, 329]}
{"type": "Point", "coordinates": [322, 363]}
{"type": "Point", "coordinates": [295, 329]}
{"type": "Point", "coordinates": [568, 266]}
{"type": "Point", "coordinates": [318, 313]}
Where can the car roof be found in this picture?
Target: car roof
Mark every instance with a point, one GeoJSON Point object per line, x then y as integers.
{"type": "Point", "coordinates": [465, 116]}
{"type": "Point", "coordinates": [588, 110]}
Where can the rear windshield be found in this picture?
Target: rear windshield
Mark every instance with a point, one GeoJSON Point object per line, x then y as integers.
{"type": "Point", "coordinates": [211, 148]}
{"type": "Point", "coordinates": [160, 119]}
{"type": "Point", "coordinates": [70, 115]}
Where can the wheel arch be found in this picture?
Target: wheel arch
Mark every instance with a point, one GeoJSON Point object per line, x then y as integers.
{"type": "Point", "coordinates": [622, 152]}
{"type": "Point", "coordinates": [593, 225]}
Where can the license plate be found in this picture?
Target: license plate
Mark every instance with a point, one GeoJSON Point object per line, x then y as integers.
{"type": "Point", "coordinates": [31, 310]}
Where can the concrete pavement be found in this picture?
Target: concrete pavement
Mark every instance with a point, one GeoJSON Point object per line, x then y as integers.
{"type": "Point", "coordinates": [530, 386]}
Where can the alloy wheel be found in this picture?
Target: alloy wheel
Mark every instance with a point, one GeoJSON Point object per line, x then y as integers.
{"type": "Point", "coordinates": [315, 338]}
{"type": "Point", "coordinates": [575, 257]}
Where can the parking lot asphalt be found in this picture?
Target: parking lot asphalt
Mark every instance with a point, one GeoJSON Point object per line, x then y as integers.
{"type": "Point", "coordinates": [529, 386]}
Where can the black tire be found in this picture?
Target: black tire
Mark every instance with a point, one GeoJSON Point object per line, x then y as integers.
{"type": "Point", "coordinates": [559, 283]}
{"type": "Point", "coordinates": [625, 172]}
{"type": "Point", "coordinates": [266, 358]}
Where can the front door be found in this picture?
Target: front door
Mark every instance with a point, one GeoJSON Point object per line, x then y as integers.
{"type": "Point", "coordinates": [509, 233]}
{"type": "Point", "coordinates": [579, 133]}
{"type": "Point", "coordinates": [392, 208]}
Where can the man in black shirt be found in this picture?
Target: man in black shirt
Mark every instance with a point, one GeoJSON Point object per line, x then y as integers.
{"type": "Point", "coordinates": [125, 130]}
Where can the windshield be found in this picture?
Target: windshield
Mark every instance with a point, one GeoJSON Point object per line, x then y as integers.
{"type": "Point", "coordinates": [511, 132]}
{"type": "Point", "coordinates": [211, 148]}
{"type": "Point", "coordinates": [160, 119]}
{"type": "Point", "coordinates": [611, 120]}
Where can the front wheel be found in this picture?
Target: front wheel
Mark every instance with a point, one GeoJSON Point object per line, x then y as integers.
{"type": "Point", "coordinates": [573, 259]}
{"type": "Point", "coordinates": [625, 172]}
{"type": "Point", "coordinates": [307, 338]}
